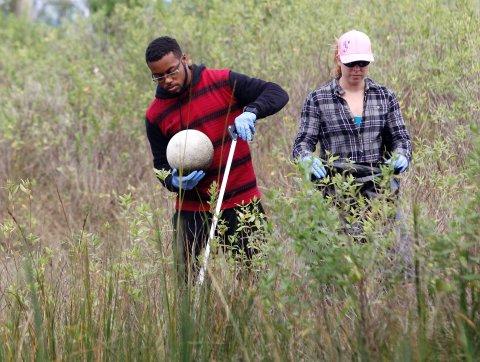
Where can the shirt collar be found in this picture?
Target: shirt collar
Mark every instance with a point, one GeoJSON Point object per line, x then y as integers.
{"type": "Point", "coordinates": [369, 83]}
{"type": "Point", "coordinates": [336, 88]}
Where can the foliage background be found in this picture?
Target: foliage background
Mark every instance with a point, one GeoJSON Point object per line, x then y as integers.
{"type": "Point", "coordinates": [85, 227]}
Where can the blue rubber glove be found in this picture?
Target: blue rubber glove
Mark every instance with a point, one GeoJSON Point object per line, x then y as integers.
{"type": "Point", "coordinates": [188, 182]}
{"type": "Point", "coordinates": [400, 163]}
{"type": "Point", "coordinates": [245, 125]}
{"type": "Point", "coordinates": [315, 166]}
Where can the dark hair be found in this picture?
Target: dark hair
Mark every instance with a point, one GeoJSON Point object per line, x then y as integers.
{"type": "Point", "coordinates": [160, 47]}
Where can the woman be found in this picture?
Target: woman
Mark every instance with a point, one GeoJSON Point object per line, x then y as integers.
{"type": "Point", "coordinates": [359, 122]}
{"type": "Point", "coordinates": [352, 116]}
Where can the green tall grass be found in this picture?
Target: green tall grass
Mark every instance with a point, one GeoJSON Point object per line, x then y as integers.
{"type": "Point", "coordinates": [86, 249]}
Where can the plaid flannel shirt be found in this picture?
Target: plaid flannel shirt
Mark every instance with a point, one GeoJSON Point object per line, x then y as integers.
{"type": "Point", "coordinates": [326, 119]}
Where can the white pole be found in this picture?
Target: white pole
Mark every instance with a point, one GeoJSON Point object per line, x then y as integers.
{"type": "Point", "coordinates": [233, 135]}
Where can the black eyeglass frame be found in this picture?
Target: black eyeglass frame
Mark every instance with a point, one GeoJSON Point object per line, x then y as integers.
{"type": "Point", "coordinates": [161, 79]}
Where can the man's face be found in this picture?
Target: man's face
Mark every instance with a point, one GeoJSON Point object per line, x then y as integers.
{"type": "Point", "coordinates": [169, 72]}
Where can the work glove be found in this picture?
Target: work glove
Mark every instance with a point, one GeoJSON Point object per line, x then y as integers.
{"type": "Point", "coordinates": [245, 125]}
{"type": "Point", "coordinates": [400, 163]}
{"type": "Point", "coordinates": [314, 166]}
{"type": "Point", "coordinates": [187, 182]}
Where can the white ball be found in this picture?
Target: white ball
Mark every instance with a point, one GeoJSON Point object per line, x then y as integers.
{"type": "Point", "coordinates": [190, 150]}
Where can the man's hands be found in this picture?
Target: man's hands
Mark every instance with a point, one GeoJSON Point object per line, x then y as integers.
{"type": "Point", "coordinates": [187, 182]}
{"type": "Point", "coordinates": [245, 125]}
{"type": "Point", "coordinates": [314, 165]}
{"type": "Point", "coordinates": [400, 163]}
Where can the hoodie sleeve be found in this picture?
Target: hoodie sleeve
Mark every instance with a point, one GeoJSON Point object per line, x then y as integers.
{"type": "Point", "coordinates": [158, 144]}
{"type": "Point", "coordinates": [263, 98]}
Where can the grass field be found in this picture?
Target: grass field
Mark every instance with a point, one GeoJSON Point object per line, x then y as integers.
{"type": "Point", "coordinates": [86, 264]}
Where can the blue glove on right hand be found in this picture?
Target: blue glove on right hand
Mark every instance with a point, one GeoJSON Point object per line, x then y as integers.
{"type": "Point", "coordinates": [245, 125]}
{"type": "Point", "coordinates": [187, 182]}
{"type": "Point", "coordinates": [314, 165]}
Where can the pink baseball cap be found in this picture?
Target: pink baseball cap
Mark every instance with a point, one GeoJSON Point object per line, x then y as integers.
{"type": "Point", "coordinates": [353, 46]}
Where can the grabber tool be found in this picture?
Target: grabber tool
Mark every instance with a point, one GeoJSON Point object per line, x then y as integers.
{"type": "Point", "coordinates": [213, 227]}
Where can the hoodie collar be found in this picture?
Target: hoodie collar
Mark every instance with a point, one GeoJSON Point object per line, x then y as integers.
{"type": "Point", "coordinates": [196, 73]}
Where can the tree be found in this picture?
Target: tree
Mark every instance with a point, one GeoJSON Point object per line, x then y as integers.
{"type": "Point", "coordinates": [109, 5]}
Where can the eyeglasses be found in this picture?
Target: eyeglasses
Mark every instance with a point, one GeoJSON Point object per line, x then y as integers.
{"type": "Point", "coordinates": [360, 63]}
{"type": "Point", "coordinates": [162, 78]}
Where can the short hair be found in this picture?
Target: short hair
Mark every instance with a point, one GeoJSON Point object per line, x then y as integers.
{"type": "Point", "coordinates": [160, 47]}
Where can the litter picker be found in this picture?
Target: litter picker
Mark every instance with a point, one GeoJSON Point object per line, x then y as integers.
{"type": "Point", "coordinates": [233, 135]}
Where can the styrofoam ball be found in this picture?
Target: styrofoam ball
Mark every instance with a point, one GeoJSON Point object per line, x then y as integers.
{"type": "Point", "coordinates": [190, 150]}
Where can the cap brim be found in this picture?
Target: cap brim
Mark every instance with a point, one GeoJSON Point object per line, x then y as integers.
{"type": "Point", "coordinates": [348, 58]}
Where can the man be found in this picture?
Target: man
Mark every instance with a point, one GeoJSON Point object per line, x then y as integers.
{"type": "Point", "coordinates": [208, 100]}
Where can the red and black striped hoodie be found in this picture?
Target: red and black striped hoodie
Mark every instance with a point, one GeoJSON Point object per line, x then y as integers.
{"type": "Point", "coordinates": [210, 104]}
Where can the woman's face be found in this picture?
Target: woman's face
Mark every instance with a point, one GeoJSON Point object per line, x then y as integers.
{"type": "Point", "coordinates": [354, 73]}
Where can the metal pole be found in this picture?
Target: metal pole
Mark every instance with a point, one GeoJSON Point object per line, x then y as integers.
{"type": "Point", "coordinates": [233, 135]}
